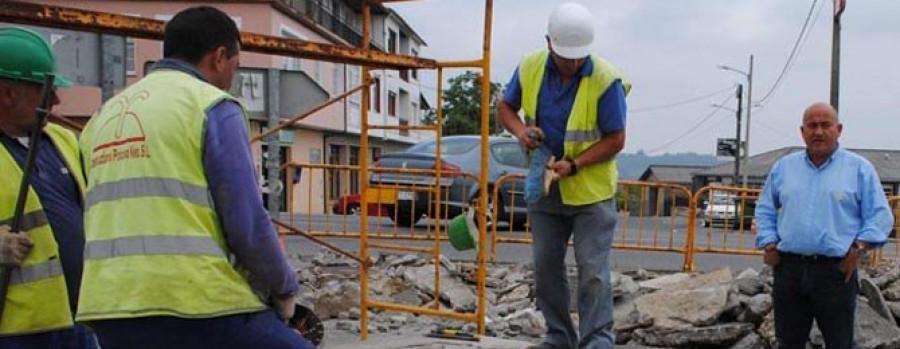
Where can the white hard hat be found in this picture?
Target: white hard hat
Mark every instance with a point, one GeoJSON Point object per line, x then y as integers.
{"type": "Point", "coordinates": [571, 30]}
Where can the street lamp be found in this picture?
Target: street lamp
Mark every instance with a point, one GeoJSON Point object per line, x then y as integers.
{"type": "Point", "coordinates": [749, 77]}
{"type": "Point", "coordinates": [737, 135]}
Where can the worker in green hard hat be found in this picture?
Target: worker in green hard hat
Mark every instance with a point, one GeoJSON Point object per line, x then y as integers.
{"type": "Point", "coordinates": [46, 256]}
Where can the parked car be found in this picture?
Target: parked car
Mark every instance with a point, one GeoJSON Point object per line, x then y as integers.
{"type": "Point", "coordinates": [728, 210]}
{"type": "Point", "coordinates": [459, 154]}
{"type": "Point", "coordinates": [352, 205]}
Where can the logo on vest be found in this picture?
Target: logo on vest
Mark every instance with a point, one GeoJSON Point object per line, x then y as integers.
{"type": "Point", "coordinates": [122, 136]}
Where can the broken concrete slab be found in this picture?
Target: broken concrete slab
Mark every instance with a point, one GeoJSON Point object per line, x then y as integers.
{"type": "Point", "coordinates": [663, 281]}
{"type": "Point", "coordinates": [876, 299]}
{"type": "Point", "coordinates": [711, 279]}
{"type": "Point", "coordinates": [873, 330]}
{"type": "Point", "coordinates": [699, 307]}
{"type": "Point", "coordinates": [453, 291]}
{"type": "Point", "coordinates": [717, 335]}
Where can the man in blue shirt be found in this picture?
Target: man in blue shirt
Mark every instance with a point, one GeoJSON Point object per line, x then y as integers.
{"type": "Point", "coordinates": [819, 211]}
{"type": "Point", "coordinates": [585, 136]}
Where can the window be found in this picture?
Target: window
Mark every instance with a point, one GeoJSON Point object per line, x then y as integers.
{"type": "Point", "coordinates": [509, 154]}
{"type": "Point", "coordinates": [415, 72]}
{"type": "Point", "coordinates": [291, 63]}
{"type": "Point", "coordinates": [376, 95]}
{"type": "Point", "coordinates": [131, 53]}
{"type": "Point", "coordinates": [317, 74]}
{"type": "Point", "coordinates": [353, 80]}
{"type": "Point", "coordinates": [404, 132]}
{"type": "Point", "coordinates": [375, 154]}
{"type": "Point", "coordinates": [392, 41]}
{"type": "Point", "coordinates": [392, 103]}
{"type": "Point", "coordinates": [129, 57]}
{"type": "Point", "coordinates": [354, 175]}
{"type": "Point", "coordinates": [334, 176]}
{"type": "Point", "coordinates": [337, 78]}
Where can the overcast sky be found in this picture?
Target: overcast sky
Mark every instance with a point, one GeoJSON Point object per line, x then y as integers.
{"type": "Point", "coordinates": [670, 49]}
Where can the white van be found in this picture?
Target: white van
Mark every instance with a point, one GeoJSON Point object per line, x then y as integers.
{"type": "Point", "coordinates": [720, 210]}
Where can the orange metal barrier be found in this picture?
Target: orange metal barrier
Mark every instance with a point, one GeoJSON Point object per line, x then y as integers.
{"type": "Point", "coordinates": [891, 249]}
{"type": "Point", "coordinates": [654, 216]}
{"type": "Point", "coordinates": [726, 215]}
{"type": "Point", "coordinates": [510, 207]}
{"type": "Point", "coordinates": [315, 206]}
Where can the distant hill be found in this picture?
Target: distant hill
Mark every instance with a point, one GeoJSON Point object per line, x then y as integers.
{"type": "Point", "coordinates": [632, 165]}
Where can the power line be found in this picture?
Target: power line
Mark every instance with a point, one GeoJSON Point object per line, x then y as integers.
{"type": "Point", "coordinates": [693, 128]}
{"type": "Point", "coordinates": [682, 102]}
{"type": "Point", "coordinates": [776, 131]}
{"type": "Point", "coordinates": [804, 32]}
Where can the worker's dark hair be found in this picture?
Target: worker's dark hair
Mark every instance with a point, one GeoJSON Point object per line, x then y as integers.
{"type": "Point", "coordinates": [196, 31]}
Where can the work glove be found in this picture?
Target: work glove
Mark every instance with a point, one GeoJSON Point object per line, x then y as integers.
{"type": "Point", "coordinates": [284, 305]}
{"type": "Point", "coordinates": [13, 247]}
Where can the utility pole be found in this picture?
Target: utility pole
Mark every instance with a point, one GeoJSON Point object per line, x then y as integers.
{"type": "Point", "coordinates": [836, 52]}
{"type": "Point", "coordinates": [746, 146]}
{"type": "Point", "coordinates": [737, 136]}
{"type": "Point", "coordinates": [749, 108]}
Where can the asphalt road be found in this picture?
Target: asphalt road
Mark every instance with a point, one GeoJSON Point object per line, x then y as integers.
{"type": "Point", "coordinates": [661, 233]}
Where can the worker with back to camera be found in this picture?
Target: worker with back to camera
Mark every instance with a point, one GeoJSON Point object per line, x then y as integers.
{"type": "Point", "coordinates": [172, 199]}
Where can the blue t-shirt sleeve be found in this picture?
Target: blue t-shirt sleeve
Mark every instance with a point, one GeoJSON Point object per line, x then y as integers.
{"type": "Point", "coordinates": [513, 93]}
{"type": "Point", "coordinates": [228, 163]}
{"type": "Point", "coordinates": [611, 108]}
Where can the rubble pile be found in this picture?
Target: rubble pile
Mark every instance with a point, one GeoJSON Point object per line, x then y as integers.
{"type": "Point", "coordinates": [712, 309]}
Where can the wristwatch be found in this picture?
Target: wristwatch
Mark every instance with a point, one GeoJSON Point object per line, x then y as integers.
{"type": "Point", "coordinates": [860, 246]}
{"type": "Point", "coordinates": [573, 167]}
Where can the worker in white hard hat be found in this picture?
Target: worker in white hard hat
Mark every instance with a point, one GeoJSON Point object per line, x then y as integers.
{"type": "Point", "coordinates": [574, 106]}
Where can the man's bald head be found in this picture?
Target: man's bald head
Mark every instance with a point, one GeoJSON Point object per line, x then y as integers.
{"type": "Point", "coordinates": [821, 108]}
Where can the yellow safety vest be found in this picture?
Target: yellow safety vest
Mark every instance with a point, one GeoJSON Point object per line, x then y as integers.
{"type": "Point", "coordinates": [596, 182]}
{"type": "Point", "coordinates": [155, 246]}
{"type": "Point", "coordinates": [37, 300]}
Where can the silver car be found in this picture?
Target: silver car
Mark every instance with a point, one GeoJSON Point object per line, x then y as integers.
{"type": "Point", "coordinates": [459, 154]}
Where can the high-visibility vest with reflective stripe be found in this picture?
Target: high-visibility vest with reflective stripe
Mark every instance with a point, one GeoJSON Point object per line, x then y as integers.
{"type": "Point", "coordinates": [155, 246]}
{"type": "Point", "coordinates": [595, 182]}
{"type": "Point", "coordinates": [37, 300]}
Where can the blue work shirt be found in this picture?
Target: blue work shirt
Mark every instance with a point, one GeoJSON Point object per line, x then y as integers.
{"type": "Point", "coordinates": [555, 101]}
{"type": "Point", "coordinates": [231, 174]}
{"type": "Point", "coordinates": [61, 199]}
{"type": "Point", "coordinates": [823, 209]}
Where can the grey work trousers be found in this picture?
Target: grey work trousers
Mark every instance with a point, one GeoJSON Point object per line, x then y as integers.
{"type": "Point", "coordinates": [592, 226]}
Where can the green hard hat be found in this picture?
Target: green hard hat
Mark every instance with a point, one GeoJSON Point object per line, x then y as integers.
{"type": "Point", "coordinates": [26, 56]}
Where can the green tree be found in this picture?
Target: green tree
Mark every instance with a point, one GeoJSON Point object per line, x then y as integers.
{"type": "Point", "coordinates": [462, 106]}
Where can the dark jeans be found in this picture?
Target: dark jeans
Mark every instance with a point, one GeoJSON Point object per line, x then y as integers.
{"type": "Point", "coordinates": [254, 330]}
{"type": "Point", "coordinates": [807, 289]}
{"type": "Point", "coordinates": [77, 337]}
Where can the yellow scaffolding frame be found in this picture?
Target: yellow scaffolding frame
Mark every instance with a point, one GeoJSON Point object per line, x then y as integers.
{"type": "Point", "coordinates": [484, 64]}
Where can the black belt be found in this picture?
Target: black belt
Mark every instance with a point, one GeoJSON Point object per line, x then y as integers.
{"type": "Point", "coordinates": [809, 257]}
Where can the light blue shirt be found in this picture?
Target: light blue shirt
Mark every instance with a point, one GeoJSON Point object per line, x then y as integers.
{"type": "Point", "coordinates": [821, 211]}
